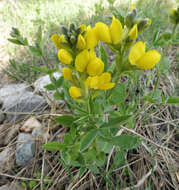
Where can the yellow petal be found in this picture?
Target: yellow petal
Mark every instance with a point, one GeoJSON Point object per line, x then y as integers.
{"type": "Point", "coordinates": [81, 44]}
{"type": "Point", "coordinates": [133, 32]}
{"type": "Point", "coordinates": [95, 67]}
{"type": "Point", "coordinates": [91, 38]}
{"type": "Point", "coordinates": [102, 32]}
{"type": "Point", "coordinates": [92, 54]}
{"type": "Point", "coordinates": [64, 56]}
{"type": "Point", "coordinates": [82, 60]}
{"type": "Point", "coordinates": [94, 82]}
{"type": "Point", "coordinates": [67, 73]}
{"type": "Point", "coordinates": [116, 31]}
{"type": "Point", "coordinates": [136, 52]}
{"type": "Point", "coordinates": [107, 86]}
{"type": "Point", "coordinates": [149, 60]}
{"type": "Point", "coordinates": [74, 92]}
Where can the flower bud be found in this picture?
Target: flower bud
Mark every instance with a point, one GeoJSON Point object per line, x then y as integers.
{"type": "Point", "coordinates": [81, 44]}
{"type": "Point", "coordinates": [72, 39]}
{"type": "Point", "coordinates": [64, 56]}
{"type": "Point", "coordinates": [130, 18]}
{"type": "Point", "coordinates": [67, 73]}
{"type": "Point", "coordinates": [116, 31]}
{"type": "Point", "coordinates": [142, 24]}
{"type": "Point", "coordinates": [174, 16]}
{"type": "Point", "coordinates": [72, 27]}
{"type": "Point", "coordinates": [132, 6]}
{"type": "Point", "coordinates": [64, 30]}
{"type": "Point", "coordinates": [95, 67]}
{"type": "Point", "coordinates": [74, 92]}
{"type": "Point", "coordinates": [102, 32]}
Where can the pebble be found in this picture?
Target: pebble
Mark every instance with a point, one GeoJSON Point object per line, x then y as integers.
{"type": "Point", "coordinates": [25, 149]}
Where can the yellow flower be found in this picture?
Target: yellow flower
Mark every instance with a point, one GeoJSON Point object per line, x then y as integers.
{"type": "Point", "coordinates": [142, 59]}
{"type": "Point", "coordinates": [67, 73]}
{"type": "Point", "coordinates": [95, 67]}
{"type": "Point", "coordinates": [58, 40]}
{"type": "Point", "coordinates": [64, 56]}
{"type": "Point", "coordinates": [81, 44]}
{"type": "Point", "coordinates": [133, 33]}
{"type": "Point", "coordinates": [91, 38]}
{"type": "Point", "coordinates": [102, 32]}
{"type": "Point", "coordinates": [116, 31]}
{"type": "Point", "coordinates": [100, 82]}
{"type": "Point", "coordinates": [82, 60]}
{"type": "Point", "coordinates": [104, 82]}
{"type": "Point", "coordinates": [74, 92]}
{"type": "Point", "coordinates": [132, 6]}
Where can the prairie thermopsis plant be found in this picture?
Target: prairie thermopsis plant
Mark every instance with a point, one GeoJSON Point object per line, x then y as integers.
{"type": "Point", "coordinates": [94, 88]}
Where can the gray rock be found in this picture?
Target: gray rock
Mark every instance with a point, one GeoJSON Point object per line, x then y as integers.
{"type": "Point", "coordinates": [4, 187]}
{"type": "Point", "coordinates": [18, 105]}
{"type": "Point", "coordinates": [13, 89]}
{"type": "Point", "coordinates": [25, 149]}
{"type": "Point", "coordinates": [43, 81]}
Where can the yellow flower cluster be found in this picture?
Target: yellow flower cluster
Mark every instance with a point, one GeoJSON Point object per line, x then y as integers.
{"type": "Point", "coordinates": [84, 69]}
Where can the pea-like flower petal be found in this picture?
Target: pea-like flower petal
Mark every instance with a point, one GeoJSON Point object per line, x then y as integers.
{"type": "Point", "coordinates": [81, 44]}
{"type": "Point", "coordinates": [136, 52]}
{"type": "Point", "coordinates": [82, 60]}
{"type": "Point", "coordinates": [116, 31]}
{"type": "Point", "coordinates": [95, 67]}
{"type": "Point", "coordinates": [149, 60]}
{"type": "Point", "coordinates": [142, 59]}
{"type": "Point", "coordinates": [58, 40]}
{"type": "Point", "coordinates": [67, 73]}
{"type": "Point", "coordinates": [133, 33]}
{"type": "Point", "coordinates": [102, 32]}
{"type": "Point", "coordinates": [74, 92]}
{"type": "Point", "coordinates": [64, 56]}
{"type": "Point", "coordinates": [91, 38]}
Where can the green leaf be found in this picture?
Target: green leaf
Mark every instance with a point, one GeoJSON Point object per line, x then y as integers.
{"type": "Point", "coordinates": [15, 41]}
{"type": "Point", "coordinates": [93, 169]}
{"type": "Point", "coordinates": [88, 139]}
{"type": "Point", "coordinates": [58, 96]}
{"type": "Point", "coordinates": [104, 57]}
{"type": "Point", "coordinates": [65, 156]}
{"type": "Point", "coordinates": [164, 65]}
{"type": "Point", "coordinates": [65, 120]}
{"type": "Point", "coordinates": [50, 87]}
{"type": "Point", "coordinates": [116, 121]}
{"type": "Point", "coordinates": [35, 51]}
{"type": "Point", "coordinates": [118, 94]}
{"type": "Point", "coordinates": [104, 146]}
{"type": "Point", "coordinates": [173, 100]}
{"type": "Point", "coordinates": [53, 146]}
{"type": "Point", "coordinates": [59, 82]}
{"type": "Point", "coordinates": [82, 171]}
{"type": "Point", "coordinates": [119, 159]}
{"type": "Point", "coordinates": [39, 35]}
{"type": "Point", "coordinates": [32, 184]}
{"type": "Point", "coordinates": [125, 142]}
{"type": "Point", "coordinates": [44, 70]}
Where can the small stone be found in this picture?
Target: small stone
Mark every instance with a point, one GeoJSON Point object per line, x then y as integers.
{"type": "Point", "coordinates": [39, 88]}
{"type": "Point", "coordinates": [13, 89]}
{"type": "Point", "coordinates": [14, 106]}
{"type": "Point", "coordinates": [30, 125]}
{"type": "Point", "coordinates": [4, 187]}
{"type": "Point", "coordinates": [41, 133]}
{"type": "Point", "coordinates": [25, 149]}
{"type": "Point", "coordinates": [7, 159]}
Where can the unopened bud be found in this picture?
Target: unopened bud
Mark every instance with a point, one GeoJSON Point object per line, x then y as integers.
{"type": "Point", "coordinates": [130, 18]}
{"type": "Point", "coordinates": [144, 23]}
{"type": "Point", "coordinates": [64, 30]}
